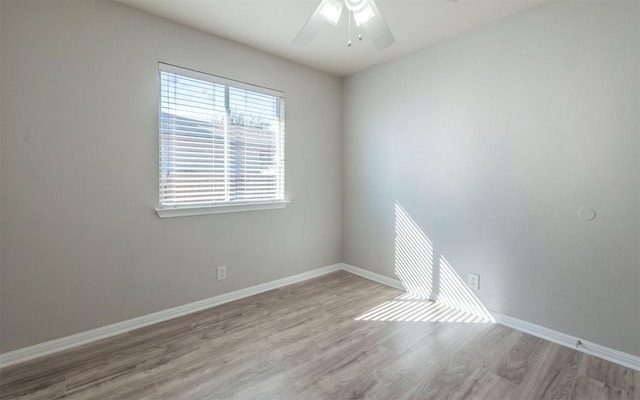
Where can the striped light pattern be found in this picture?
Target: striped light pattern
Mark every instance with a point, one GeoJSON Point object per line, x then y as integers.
{"type": "Point", "coordinates": [221, 141]}
{"type": "Point", "coordinates": [428, 275]}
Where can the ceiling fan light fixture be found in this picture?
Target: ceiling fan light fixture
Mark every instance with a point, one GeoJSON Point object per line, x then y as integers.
{"type": "Point", "coordinates": [366, 16]}
{"type": "Point", "coordinates": [331, 10]}
{"type": "Point", "coordinates": [363, 15]}
{"type": "Point", "coordinates": [355, 5]}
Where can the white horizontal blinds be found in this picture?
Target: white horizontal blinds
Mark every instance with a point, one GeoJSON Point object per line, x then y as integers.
{"type": "Point", "coordinates": [218, 143]}
{"type": "Point", "coordinates": [192, 124]}
{"type": "Point", "coordinates": [256, 148]}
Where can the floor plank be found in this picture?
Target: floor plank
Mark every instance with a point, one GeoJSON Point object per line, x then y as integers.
{"type": "Point", "coordinates": [335, 337]}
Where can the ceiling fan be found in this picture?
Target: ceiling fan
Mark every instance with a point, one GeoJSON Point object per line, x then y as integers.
{"type": "Point", "coordinates": [365, 13]}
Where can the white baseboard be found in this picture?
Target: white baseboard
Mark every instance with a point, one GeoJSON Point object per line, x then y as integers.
{"type": "Point", "coordinates": [606, 353]}
{"type": "Point", "coordinates": [594, 349]}
{"type": "Point", "coordinates": [54, 346]}
{"type": "Point", "coordinates": [57, 345]}
{"type": "Point", "coordinates": [372, 276]}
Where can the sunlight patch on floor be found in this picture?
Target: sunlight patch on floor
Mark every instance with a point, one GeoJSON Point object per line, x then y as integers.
{"type": "Point", "coordinates": [412, 308]}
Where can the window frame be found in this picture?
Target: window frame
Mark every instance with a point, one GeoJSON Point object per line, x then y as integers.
{"type": "Point", "coordinates": [213, 207]}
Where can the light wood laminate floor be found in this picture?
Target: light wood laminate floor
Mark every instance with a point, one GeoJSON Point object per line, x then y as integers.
{"type": "Point", "coordinates": [335, 337]}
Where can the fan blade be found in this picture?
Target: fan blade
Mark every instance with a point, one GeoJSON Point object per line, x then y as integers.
{"type": "Point", "coordinates": [377, 29]}
{"type": "Point", "coordinates": [316, 21]}
{"type": "Point", "coordinates": [308, 31]}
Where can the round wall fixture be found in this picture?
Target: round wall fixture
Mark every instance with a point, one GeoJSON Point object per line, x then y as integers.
{"type": "Point", "coordinates": [587, 214]}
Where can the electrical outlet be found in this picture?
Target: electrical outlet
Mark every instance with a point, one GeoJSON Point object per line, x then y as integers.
{"type": "Point", "coordinates": [222, 272]}
{"type": "Point", "coordinates": [474, 281]}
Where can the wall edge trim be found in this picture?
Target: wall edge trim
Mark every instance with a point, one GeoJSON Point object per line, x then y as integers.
{"type": "Point", "coordinates": [79, 339]}
{"type": "Point", "coordinates": [563, 339]}
{"type": "Point", "coordinates": [68, 342]}
{"type": "Point", "coordinates": [372, 276]}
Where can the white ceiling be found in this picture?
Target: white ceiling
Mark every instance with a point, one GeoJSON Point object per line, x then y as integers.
{"type": "Point", "coordinates": [271, 25]}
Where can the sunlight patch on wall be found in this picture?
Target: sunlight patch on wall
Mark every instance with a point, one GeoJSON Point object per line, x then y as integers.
{"type": "Point", "coordinates": [413, 256]}
{"type": "Point", "coordinates": [454, 292]}
{"type": "Point", "coordinates": [428, 275]}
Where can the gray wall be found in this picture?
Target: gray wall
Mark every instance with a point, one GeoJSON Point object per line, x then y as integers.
{"type": "Point", "coordinates": [81, 244]}
{"type": "Point", "coordinates": [491, 142]}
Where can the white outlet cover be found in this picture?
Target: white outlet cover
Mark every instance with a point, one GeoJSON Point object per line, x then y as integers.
{"type": "Point", "coordinates": [474, 281]}
{"type": "Point", "coordinates": [222, 272]}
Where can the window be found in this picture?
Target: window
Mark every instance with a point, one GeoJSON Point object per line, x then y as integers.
{"type": "Point", "coordinates": [221, 144]}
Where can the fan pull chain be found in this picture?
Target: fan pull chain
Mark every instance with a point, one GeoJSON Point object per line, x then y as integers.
{"type": "Point", "coordinates": [349, 31]}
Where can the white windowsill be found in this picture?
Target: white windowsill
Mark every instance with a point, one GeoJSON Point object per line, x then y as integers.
{"type": "Point", "coordinates": [220, 209]}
